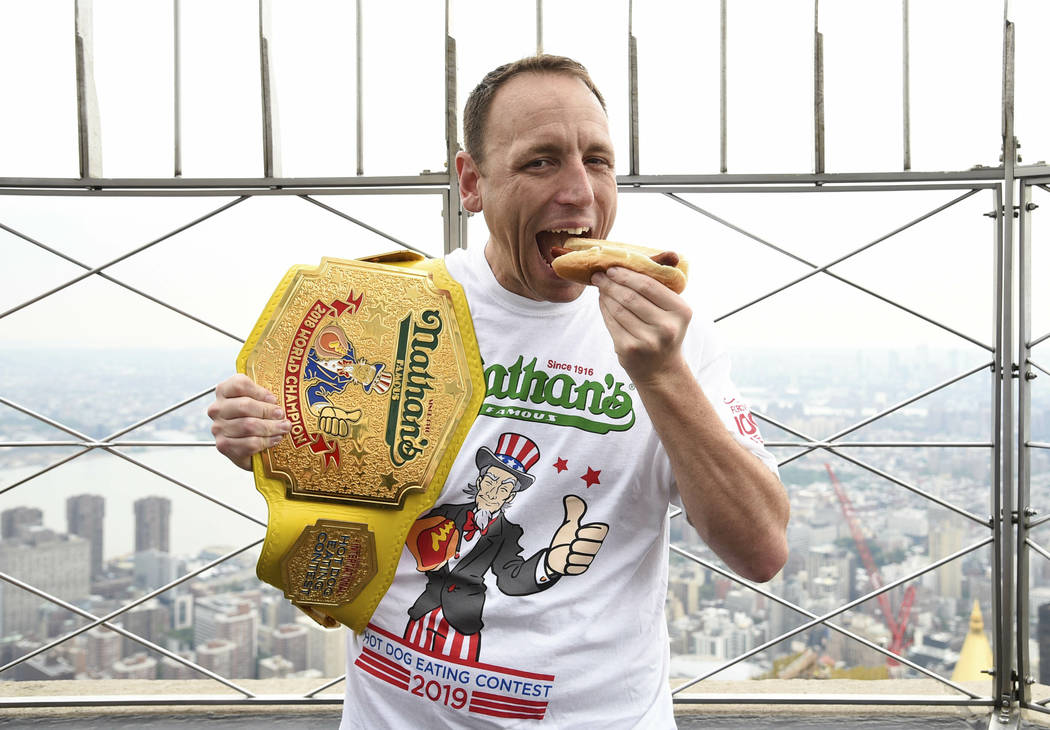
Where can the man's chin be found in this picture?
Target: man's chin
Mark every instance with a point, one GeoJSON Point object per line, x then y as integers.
{"type": "Point", "coordinates": [567, 295]}
{"type": "Point", "coordinates": [556, 289]}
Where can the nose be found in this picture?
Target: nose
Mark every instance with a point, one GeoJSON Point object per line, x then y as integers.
{"type": "Point", "coordinates": [575, 186]}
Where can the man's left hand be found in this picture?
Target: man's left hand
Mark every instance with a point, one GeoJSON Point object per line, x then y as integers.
{"type": "Point", "coordinates": [647, 322]}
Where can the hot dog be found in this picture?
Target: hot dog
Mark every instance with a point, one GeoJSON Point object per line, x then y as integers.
{"type": "Point", "coordinates": [582, 257]}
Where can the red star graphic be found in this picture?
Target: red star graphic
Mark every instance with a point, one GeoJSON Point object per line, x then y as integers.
{"type": "Point", "coordinates": [561, 465]}
{"type": "Point", "coordinates": [591, 477]}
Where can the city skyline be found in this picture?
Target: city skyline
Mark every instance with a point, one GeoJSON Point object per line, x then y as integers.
{"type": "Point", "coordinates": [706, 613]}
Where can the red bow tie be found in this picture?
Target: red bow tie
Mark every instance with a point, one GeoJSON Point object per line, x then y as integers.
{"type": "Point", "coordinates": [470, 527]}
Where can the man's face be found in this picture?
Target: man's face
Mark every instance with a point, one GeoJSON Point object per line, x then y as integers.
{"type": "Point", "coordinates": [495, 488]}
{"type": "Point", "coordinates": [548, 169]}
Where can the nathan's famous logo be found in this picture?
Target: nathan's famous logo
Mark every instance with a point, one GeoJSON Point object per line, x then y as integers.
{"type": "Point", "coordinates": [323, 360]}
{"type": "Point", "coordinates": [578, 401]}
{"type": "Point", "coordinates": [405, 425]}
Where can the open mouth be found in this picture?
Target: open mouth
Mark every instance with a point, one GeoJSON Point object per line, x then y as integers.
{"type": "Point", "coordinates": [546, 240]}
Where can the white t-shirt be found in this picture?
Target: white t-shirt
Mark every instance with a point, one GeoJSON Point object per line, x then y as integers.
{"type": "Point", "coordinates": [572, 651]}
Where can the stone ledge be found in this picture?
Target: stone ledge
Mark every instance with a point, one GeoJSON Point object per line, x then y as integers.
{"type": "Point", "coordinates": [845, 697]}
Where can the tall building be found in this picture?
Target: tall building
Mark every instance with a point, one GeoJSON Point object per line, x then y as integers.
{"type": "Point", "coordinates": [723, 635]}
{"type": "Point", "coordinates": [824, 561]}
{"type": "Point", "coordinates": [84, 517]}
{"type": "Point", "coordinates": [43, 668]}
{"type": "Point", "coordinates": [291, 641]}
{"type": "Point", "coordinates": [325, 648]}
{"type": "Point", "coordinates": [181, 607]}
{"type": "Point", "coordinates": [171, 669]}
{"type": "Point", "coordinates": [150, 620]}
{"type": "Point", "coordinates": [232, 619]}
{"type": "Point", "coordinates": [152, 524]}
{"type": "Point", "coordinates": [945, 538]}
{"type": "Point", "coordinates": [154, 568]}
{"type": "Point", "coordinates": [103, 648]}
{"type": "Point", "coordinates": [1044, 643]}
{"type": "Point", "coordinates": [136, 666]}
{"type": "Point", "coordinates": [54, 563]}
{"type": "Point", "coordinates": [13, 521]}
{"type": "Point", "coordinates": [217, 655]}
{"type": "Point", "coordinates": [275, 667]}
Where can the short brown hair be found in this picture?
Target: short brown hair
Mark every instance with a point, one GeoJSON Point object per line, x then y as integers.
{"type": "Point", "coordinates": [475, 114]}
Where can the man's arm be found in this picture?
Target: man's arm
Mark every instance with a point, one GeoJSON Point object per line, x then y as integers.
{"type": "Point", "coordinates": [736, 504]}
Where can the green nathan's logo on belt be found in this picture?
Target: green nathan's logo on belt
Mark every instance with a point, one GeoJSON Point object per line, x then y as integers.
{"type": "Point", "coordinates": [598, 406]}
{"type": "Point", "coordinates": [407, 412]}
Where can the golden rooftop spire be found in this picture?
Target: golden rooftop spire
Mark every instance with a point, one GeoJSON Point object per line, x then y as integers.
{"type": "Point", "coordinates": [976, 653]}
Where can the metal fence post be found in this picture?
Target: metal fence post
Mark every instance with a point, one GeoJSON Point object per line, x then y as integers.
{"type": "Point", "coordinates": [1024, 394]}
{"type": "Point", "coordinates": [89, 130]}
{"type": "Point", "coordinates": [1005, 687]}
{"type": "Point", "coordinates": [455, 216]}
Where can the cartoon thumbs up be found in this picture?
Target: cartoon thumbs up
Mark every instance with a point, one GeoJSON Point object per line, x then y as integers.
{"type": "Point", "coordinates": [574, 546]}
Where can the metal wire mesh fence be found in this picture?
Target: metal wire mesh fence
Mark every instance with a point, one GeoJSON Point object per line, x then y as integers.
{"type": "Point", "coordinates": [889, 345]}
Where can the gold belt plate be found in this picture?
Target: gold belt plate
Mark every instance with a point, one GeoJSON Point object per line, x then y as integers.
{"type": "Point", "coordinates": [377, 368]}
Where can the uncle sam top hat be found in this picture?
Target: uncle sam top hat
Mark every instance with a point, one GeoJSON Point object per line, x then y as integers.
{"type": "Point", "coordinates": [515, 453]}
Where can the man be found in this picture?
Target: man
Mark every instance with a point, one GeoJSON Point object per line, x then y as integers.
{"type": "Point", "coordinates": [632, 403]}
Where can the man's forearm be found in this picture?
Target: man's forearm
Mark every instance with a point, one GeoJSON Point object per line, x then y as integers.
{"type": "Point", "coordinates": [734, 502]}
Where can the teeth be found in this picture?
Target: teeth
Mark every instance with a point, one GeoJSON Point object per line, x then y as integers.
{"type": "Point", "coordinates": [573, 231]}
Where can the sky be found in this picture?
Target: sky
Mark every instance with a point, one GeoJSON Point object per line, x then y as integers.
{"type": "Point", "coordinates": [224, 268]}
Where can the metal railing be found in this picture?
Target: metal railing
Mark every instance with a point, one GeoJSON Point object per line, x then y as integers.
{"type": "Point", "coordinates": [1027, 515]}
{"type": "Point", "coordinates": [1009, 497]}
{"type": "Point", "coordinates": [837, 445]}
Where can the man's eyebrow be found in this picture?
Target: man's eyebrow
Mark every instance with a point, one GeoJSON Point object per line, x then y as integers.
{"type": "Point", "coordinates": [540, 148]}
{"type": "Point", "coordinates": [552, 148]}
{"type": "Point", "coordinates": [600, 147]}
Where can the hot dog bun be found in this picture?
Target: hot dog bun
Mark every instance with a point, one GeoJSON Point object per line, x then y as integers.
{"type": "Point", "coordinates": [590, 255]}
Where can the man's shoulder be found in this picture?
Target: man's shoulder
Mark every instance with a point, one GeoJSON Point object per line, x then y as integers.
{"type": "Point", "coordinates": [457, 259]}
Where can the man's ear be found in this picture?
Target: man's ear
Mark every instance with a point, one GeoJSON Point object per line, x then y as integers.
{"type": "Point", "coordinates": [469, 182]}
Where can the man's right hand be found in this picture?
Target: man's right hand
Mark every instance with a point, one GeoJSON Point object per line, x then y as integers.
{"type": "Point", "coordinates": [245, 420]}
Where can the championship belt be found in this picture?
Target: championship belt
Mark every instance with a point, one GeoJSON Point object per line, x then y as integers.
{"type": "Point", "coordinates": [376, 365]}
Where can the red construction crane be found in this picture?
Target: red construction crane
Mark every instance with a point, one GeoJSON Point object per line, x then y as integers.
{"type": "Point", "coordinates": [898, 625]}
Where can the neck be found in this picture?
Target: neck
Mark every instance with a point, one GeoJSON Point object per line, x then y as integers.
{"type": "Point", "coordinates": [505, 281]}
